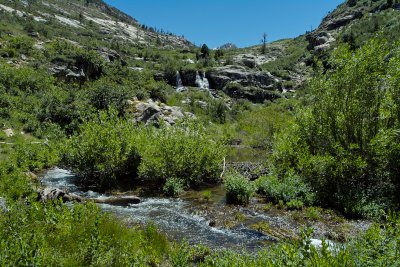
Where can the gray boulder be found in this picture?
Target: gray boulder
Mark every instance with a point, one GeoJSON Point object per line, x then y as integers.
{"type": "Point", "coordinates": [62, 72]}
{"type": "Point", "coordinates": [151, 112]}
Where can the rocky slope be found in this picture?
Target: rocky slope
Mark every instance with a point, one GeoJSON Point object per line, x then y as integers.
{"type": "Point", "coordinates": [89, 17]}
{"type": "Point", "coordinates": [120, 40]}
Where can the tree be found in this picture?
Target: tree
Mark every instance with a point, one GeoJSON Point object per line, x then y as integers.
{"type": "Point", "coordinates": [205, 51]}
{"type": "Point", "coordinates": [218, 54]}
{"type": "Point", "coordinates": [264, 43]}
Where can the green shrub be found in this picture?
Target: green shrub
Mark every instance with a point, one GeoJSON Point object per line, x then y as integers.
{"type": "Point", "coordinates": [238, 189]}
{"type": "Point", "coordinates": [184, 151]}
{"type": "Point", "coordinates": [345, 143]}
{"type": "Point", "coordinates": [295, 205]}
{"type": "Point", "coordinates": [173, 187]}
{"type": "Point", "coordinates": [288, 189]}
{"type": "Point", "coordinates": [207, 195]}
{"type": "Point", "coordinates": [103, 151]}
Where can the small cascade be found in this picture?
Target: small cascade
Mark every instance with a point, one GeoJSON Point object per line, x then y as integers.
{"type": "Point", "coordinates": [201, 81]}
{"type": "Point", "coordinates": [179, 83]}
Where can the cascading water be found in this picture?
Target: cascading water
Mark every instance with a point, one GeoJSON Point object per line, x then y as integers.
{"type": "Point", "coordinates": [201, 81]}
{"type": "Point", "coordinates": [179, 83]}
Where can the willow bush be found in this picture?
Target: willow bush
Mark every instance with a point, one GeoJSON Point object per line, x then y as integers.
{"type": "Point", "coordinates": [344, 144]}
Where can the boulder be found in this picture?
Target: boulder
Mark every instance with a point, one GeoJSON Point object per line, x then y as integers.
{"type": "Point", "coordinates": [319, 41]}
{"type": "Point", "coordinates": [62, 72]}
{"type": "Point", "coordinates": [151, 112]}
{"type": "Point", "coordinates": [220, 77]}
{"type": "Point", "coordinates": [9, 132]}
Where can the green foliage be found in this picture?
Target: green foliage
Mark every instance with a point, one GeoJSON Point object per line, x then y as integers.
{"type": "Point", "coordinates": [16, 46]}
{"type": "Point", "coordinates": [49, 235]}
{"type": "Point", "coordinates": [238, 188]}
{"type": "Point", "coordinates": [104, 95]}
{"type": "Point", "coordinates": [207, 195]}
{"type": "Point", "coordinates": [34, 156]}
{"type": "Point", "coordinates": [337, 144]}
{"type": "Point", "coordinates": [290, 189]}
{"type": "Point", "coordinates": [258, 126]}
{"type": "Point", "coordinates": [103, 151]}
{"type": "Point", "coordinates": [173, 187]}
{"type": "Point", "coordinates": [295, 205]}
{"type": "Point", "coordinates": [185, 152]}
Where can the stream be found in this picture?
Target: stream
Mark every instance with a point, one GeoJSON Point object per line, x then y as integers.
{"type": "Point", "coordinates": [176, 218]}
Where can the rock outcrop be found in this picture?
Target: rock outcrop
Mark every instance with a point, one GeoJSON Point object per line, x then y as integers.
{"type": "Point", "coordinates": [344, 19]}
{"type": "Point", "coordinates": [254, 60]}
{"type": "Point", "coordinates": [319, 41]}
{"type": "Point", "coordinates": [110, 55]}
{"type": "Point", "coordinates": [151, 112]}
{"type": "Point", "coordinates": [220, 77]}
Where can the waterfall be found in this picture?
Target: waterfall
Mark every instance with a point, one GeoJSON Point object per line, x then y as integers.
{"type": "Point", "coordinates": [179, 84]}
{"type": "Point", "coordinates": [202, 82]}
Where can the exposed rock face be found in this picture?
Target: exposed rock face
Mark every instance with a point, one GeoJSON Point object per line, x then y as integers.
{"type": "Point", "coordinates": [252, 60]}
{"type": "Point", "coordinates": [335, 23]}
{"type": "Point", "coordinates": [52, 194]}
{"type": "Point", "coordinates": [228, 46]}
{"type": "Point", "coordinates": [110, 55]}
{"type": "Point", "coordinates": [221, 76]}
{"type": "Point", "coordinates": [150, 112]}
{"type": "Point", "coordinates": [64, 73]}
{"type": "Point", "coordinates": [319, 41]}
{"type": "Point", "coordinates": [254, 94]}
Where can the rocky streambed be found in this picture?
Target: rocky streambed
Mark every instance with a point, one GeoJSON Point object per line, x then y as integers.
{"type": "Point", "coordinates": [202, 217]}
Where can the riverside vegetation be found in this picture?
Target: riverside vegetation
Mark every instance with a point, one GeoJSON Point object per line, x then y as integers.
{"type": "Point", "coordinates": [335, 145]}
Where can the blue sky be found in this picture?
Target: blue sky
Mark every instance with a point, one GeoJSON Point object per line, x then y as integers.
{"type": "Point", "coordinates": [241, 22]}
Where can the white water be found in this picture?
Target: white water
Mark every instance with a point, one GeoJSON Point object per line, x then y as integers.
{"type": "Point", "coordinates": [172, 217]}
{"type": "Point", "coordinates": [179, 83]}
{"type": "Point", "coordinates": [201, 81]}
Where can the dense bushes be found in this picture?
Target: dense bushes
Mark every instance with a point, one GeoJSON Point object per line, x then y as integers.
{"type": "Point", "coordinates": [344, 143]}
{"type": "Point", "coordinates": [103, 151]}
{"type": "Point", "coordinates": [110, 148]}
{"type": "Point", "coordinates": [289, 189]}
{"type": "Point", "coordinates": [34, 234]}
{"type": "Point", "coordinates": [184, 152]}
{"type": "Point", "coordinates": [238, 189]}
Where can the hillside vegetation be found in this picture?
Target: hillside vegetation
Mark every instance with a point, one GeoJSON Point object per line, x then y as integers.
{"type": "Point", "coordinates": [95, 91]}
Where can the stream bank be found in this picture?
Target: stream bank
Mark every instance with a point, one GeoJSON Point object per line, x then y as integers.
{"type": "Point", "coordinates": [203, 217]}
